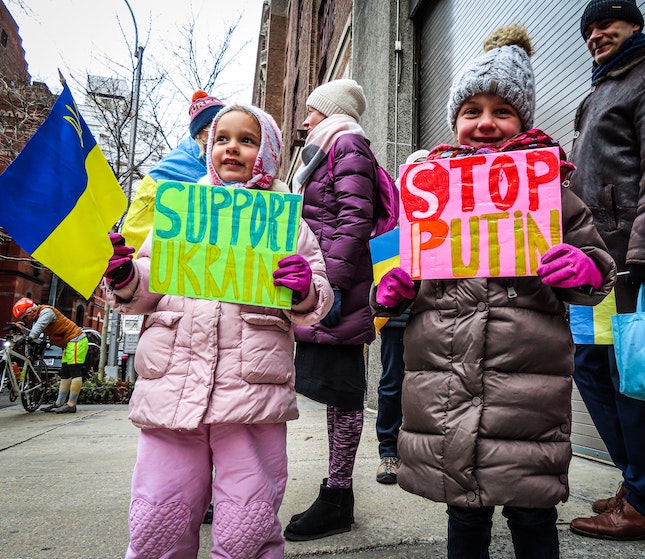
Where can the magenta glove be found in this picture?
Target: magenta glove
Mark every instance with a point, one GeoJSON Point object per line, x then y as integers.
{"type": "Point", "coordinates": [120, 270]}
{"type": "Point", "coordinates": [394, 286]}
{"type": "Point", "coordinates": [567, 266]}
{"type": "Point", "coordinates": [294, 272]}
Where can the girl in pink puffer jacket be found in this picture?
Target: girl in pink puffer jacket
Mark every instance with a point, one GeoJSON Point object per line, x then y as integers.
{"type": "Point", "coordinates": [216, 379]}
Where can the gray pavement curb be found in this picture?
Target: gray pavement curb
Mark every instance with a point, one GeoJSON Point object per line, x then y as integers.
{"type": "Point", "coordinates": [66, 482]}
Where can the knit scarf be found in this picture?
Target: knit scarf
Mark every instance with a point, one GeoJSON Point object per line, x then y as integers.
{"type": "Point", "coordinates": [319, 143]}
{"type": "Point", "coordinates": [634, 43]}
{"type": "Point", "coordinates": [531, 139]}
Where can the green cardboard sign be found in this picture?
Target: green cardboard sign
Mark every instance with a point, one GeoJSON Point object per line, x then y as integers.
{"type": "Point", "coordinates": [214, 242]}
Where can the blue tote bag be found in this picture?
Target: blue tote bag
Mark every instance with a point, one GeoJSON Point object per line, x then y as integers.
{"type": "Point", "coordinates": [629, 344]}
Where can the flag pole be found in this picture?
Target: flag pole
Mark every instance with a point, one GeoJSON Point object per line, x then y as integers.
{"type": "Point", "coordinates": [138, 54]}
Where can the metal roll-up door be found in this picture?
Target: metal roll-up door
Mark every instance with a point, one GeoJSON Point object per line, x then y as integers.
{"type": "Point", "coordinates": [451, 32]}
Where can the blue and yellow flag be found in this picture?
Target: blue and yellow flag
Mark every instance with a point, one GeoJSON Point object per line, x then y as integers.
{"type": "Point", "coordinates": [385, 253]}
{"type": "Point", "coordinates": [385, 256]}
{"type": "Point", "coordinates": [592, 325]}
{"type": "Point", "coordinates": [60, 198]}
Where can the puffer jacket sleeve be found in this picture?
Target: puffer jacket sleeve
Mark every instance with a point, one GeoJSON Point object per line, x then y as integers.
{"type": "Point", "coordinates": [354, 172]}
{"type": "Point", "coordinates": [636, 245]}
{"type": "Point", "coordinates": [135, 298]}
{"type": "Point", "coordinates": [138, 220]}
{"type": "Point", "coordinates": [321, 297]}
{"type": "Point", "coordinates": [579, 231]}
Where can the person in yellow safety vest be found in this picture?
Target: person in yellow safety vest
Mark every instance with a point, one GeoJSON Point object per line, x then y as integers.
{"type": "Point", "coordinates": [65, 334]}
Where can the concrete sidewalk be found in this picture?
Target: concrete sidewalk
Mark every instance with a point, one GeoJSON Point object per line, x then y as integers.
{"type": "Point", "coordinates": [65, 484]}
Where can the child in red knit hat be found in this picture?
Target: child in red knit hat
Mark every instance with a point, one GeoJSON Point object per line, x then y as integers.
{"type": "Point", "coordinates": [185, 163]}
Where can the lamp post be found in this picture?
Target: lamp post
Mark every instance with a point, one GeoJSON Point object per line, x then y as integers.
{"type": "Point", "coordinates": [114, 318]}
{"type": "Point", "coordinates": [138, 54]}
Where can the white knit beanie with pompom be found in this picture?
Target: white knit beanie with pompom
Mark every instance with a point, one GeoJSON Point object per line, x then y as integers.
{"type": "Point", "coordinates": [504, 69]}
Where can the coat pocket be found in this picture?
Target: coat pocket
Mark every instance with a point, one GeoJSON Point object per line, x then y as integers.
{"type": "Point", "coordinates": [267, 349]}
{"type": "Point", "coordinates": [156, 344]}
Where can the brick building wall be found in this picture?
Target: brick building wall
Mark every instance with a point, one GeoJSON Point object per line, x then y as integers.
{"type": "Point", "coordinates": [23, 108]}
{"type": "Point", "coordinates": [13, 66]}
{"type": "Point", "coordinates": [308, 42]}
{"type": "Point", "coordinates": [20, 276]}
{"type": "Point", "coordinates": [276, 45]}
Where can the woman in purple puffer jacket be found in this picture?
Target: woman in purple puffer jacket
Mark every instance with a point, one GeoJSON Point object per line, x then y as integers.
{"type": "Point", "coordinates": [338, 180]}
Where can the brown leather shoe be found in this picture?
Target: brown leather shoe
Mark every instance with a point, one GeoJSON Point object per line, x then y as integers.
{"type": "Point", "coordinates": [603, 505]}
{"type": "Point", "coordinates": [623, 522]}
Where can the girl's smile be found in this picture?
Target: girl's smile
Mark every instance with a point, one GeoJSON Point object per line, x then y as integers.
{"type": "Point", "coordinates": [486, 120]}
{"type": "Point", "coordinates": [229, 161]}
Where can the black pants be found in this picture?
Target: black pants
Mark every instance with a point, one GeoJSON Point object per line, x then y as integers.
{"type": "Point", "coordinates": [534, 532]}
{"type": "Point", "coordinates": [618, 418]}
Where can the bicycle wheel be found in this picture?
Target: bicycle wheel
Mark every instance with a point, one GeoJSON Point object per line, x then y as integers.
{"type": "Point", "coordinates": [33, 386]}
{"type": "Point", "coordinates": [91, 364]}
{"type": "Point", "coordinates": [4, 380]}
{"type": "Point", "coordinates": [7, 375]}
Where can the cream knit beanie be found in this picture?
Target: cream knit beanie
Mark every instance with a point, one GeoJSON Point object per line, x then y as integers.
{"type": "Point", "coordinates": [504, 69]}
{"type": "Point", "coordinates": [344, 97]}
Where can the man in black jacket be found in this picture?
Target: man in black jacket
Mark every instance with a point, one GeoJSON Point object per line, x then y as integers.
{"type": "Point", "coordinates": [609, 153]}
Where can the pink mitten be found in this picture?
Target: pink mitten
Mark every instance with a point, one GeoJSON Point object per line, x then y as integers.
{"type": "Point", "coordinates": [394, 286]}
{"type": "Point", "coordinates": [567, 266]}
{"type": "Point", "coordinates": [120, 269]}
{"type": "Point", "coordinates": [294, 272]}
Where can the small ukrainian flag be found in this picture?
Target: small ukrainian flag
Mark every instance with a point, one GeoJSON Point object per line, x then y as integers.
{"type": "Point", "coordinates": [60, 198]}
{"type": "Point", "coordinates": [385, 253]}
{"type": "Point", "coordinates": [592, 325]}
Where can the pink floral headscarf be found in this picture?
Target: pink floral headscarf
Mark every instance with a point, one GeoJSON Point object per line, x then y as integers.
{"type": "Point", "coordinates": [266, 163]}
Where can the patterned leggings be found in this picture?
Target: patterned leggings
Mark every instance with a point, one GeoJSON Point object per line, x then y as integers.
{"type": "Point", "coordinates": [344, 428]}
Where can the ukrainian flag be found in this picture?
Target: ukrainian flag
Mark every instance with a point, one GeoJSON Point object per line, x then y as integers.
{"type": "Point", "coordinates": [385, 253]}
{"type": "Point", "coordinates": [592, 325]}
{"type": "Point", "coordinates": [60, 198]}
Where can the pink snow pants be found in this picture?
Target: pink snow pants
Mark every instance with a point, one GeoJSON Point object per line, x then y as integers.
{"type": "Point", "coordinates": [173, 481]}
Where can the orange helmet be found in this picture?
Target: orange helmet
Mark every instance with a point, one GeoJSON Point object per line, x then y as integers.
{"type": "Point", "coordinates": [22, 306]}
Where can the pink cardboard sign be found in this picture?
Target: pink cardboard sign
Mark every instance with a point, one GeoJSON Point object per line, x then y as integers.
{"type": "Point", "coordinates": [490, 215]}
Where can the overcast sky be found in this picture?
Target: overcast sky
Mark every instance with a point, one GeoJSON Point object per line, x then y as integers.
{"type": "Point", "coordinates": [72, 34]}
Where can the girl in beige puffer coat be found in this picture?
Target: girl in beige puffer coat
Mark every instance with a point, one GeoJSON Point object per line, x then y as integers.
{"type": "Point", "coordinates": [489, 360]}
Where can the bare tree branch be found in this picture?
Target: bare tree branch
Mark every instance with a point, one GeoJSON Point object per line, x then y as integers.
{"type": "Point", "coordinates": [168, 79]}
{"type": "Point", "coordinates": [191, 65]}
{"type": "Point", "coordinates": [23, 108]}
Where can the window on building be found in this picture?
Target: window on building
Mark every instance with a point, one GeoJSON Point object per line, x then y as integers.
{"type": "Point", "coordinates": [325, 30]}
{"type": "Point", "coordinates": [3, 38]}
{"type": "Point", "coordinates": [80, 315]}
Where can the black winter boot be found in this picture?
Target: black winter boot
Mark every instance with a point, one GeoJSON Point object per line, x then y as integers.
{"type": "Point", "coordinates": [348, 501]}
{"type": "Point", "coordinates": [331, 513]}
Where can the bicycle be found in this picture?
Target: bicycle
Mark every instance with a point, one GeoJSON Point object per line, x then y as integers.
{"type": "Point", "coordinates": [24, 374]}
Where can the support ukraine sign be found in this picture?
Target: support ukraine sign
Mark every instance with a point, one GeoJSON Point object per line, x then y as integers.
{"type": "Point", "coordinates": [60, 198]}
{"type": "Point", "coordinates": [221, 243]}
